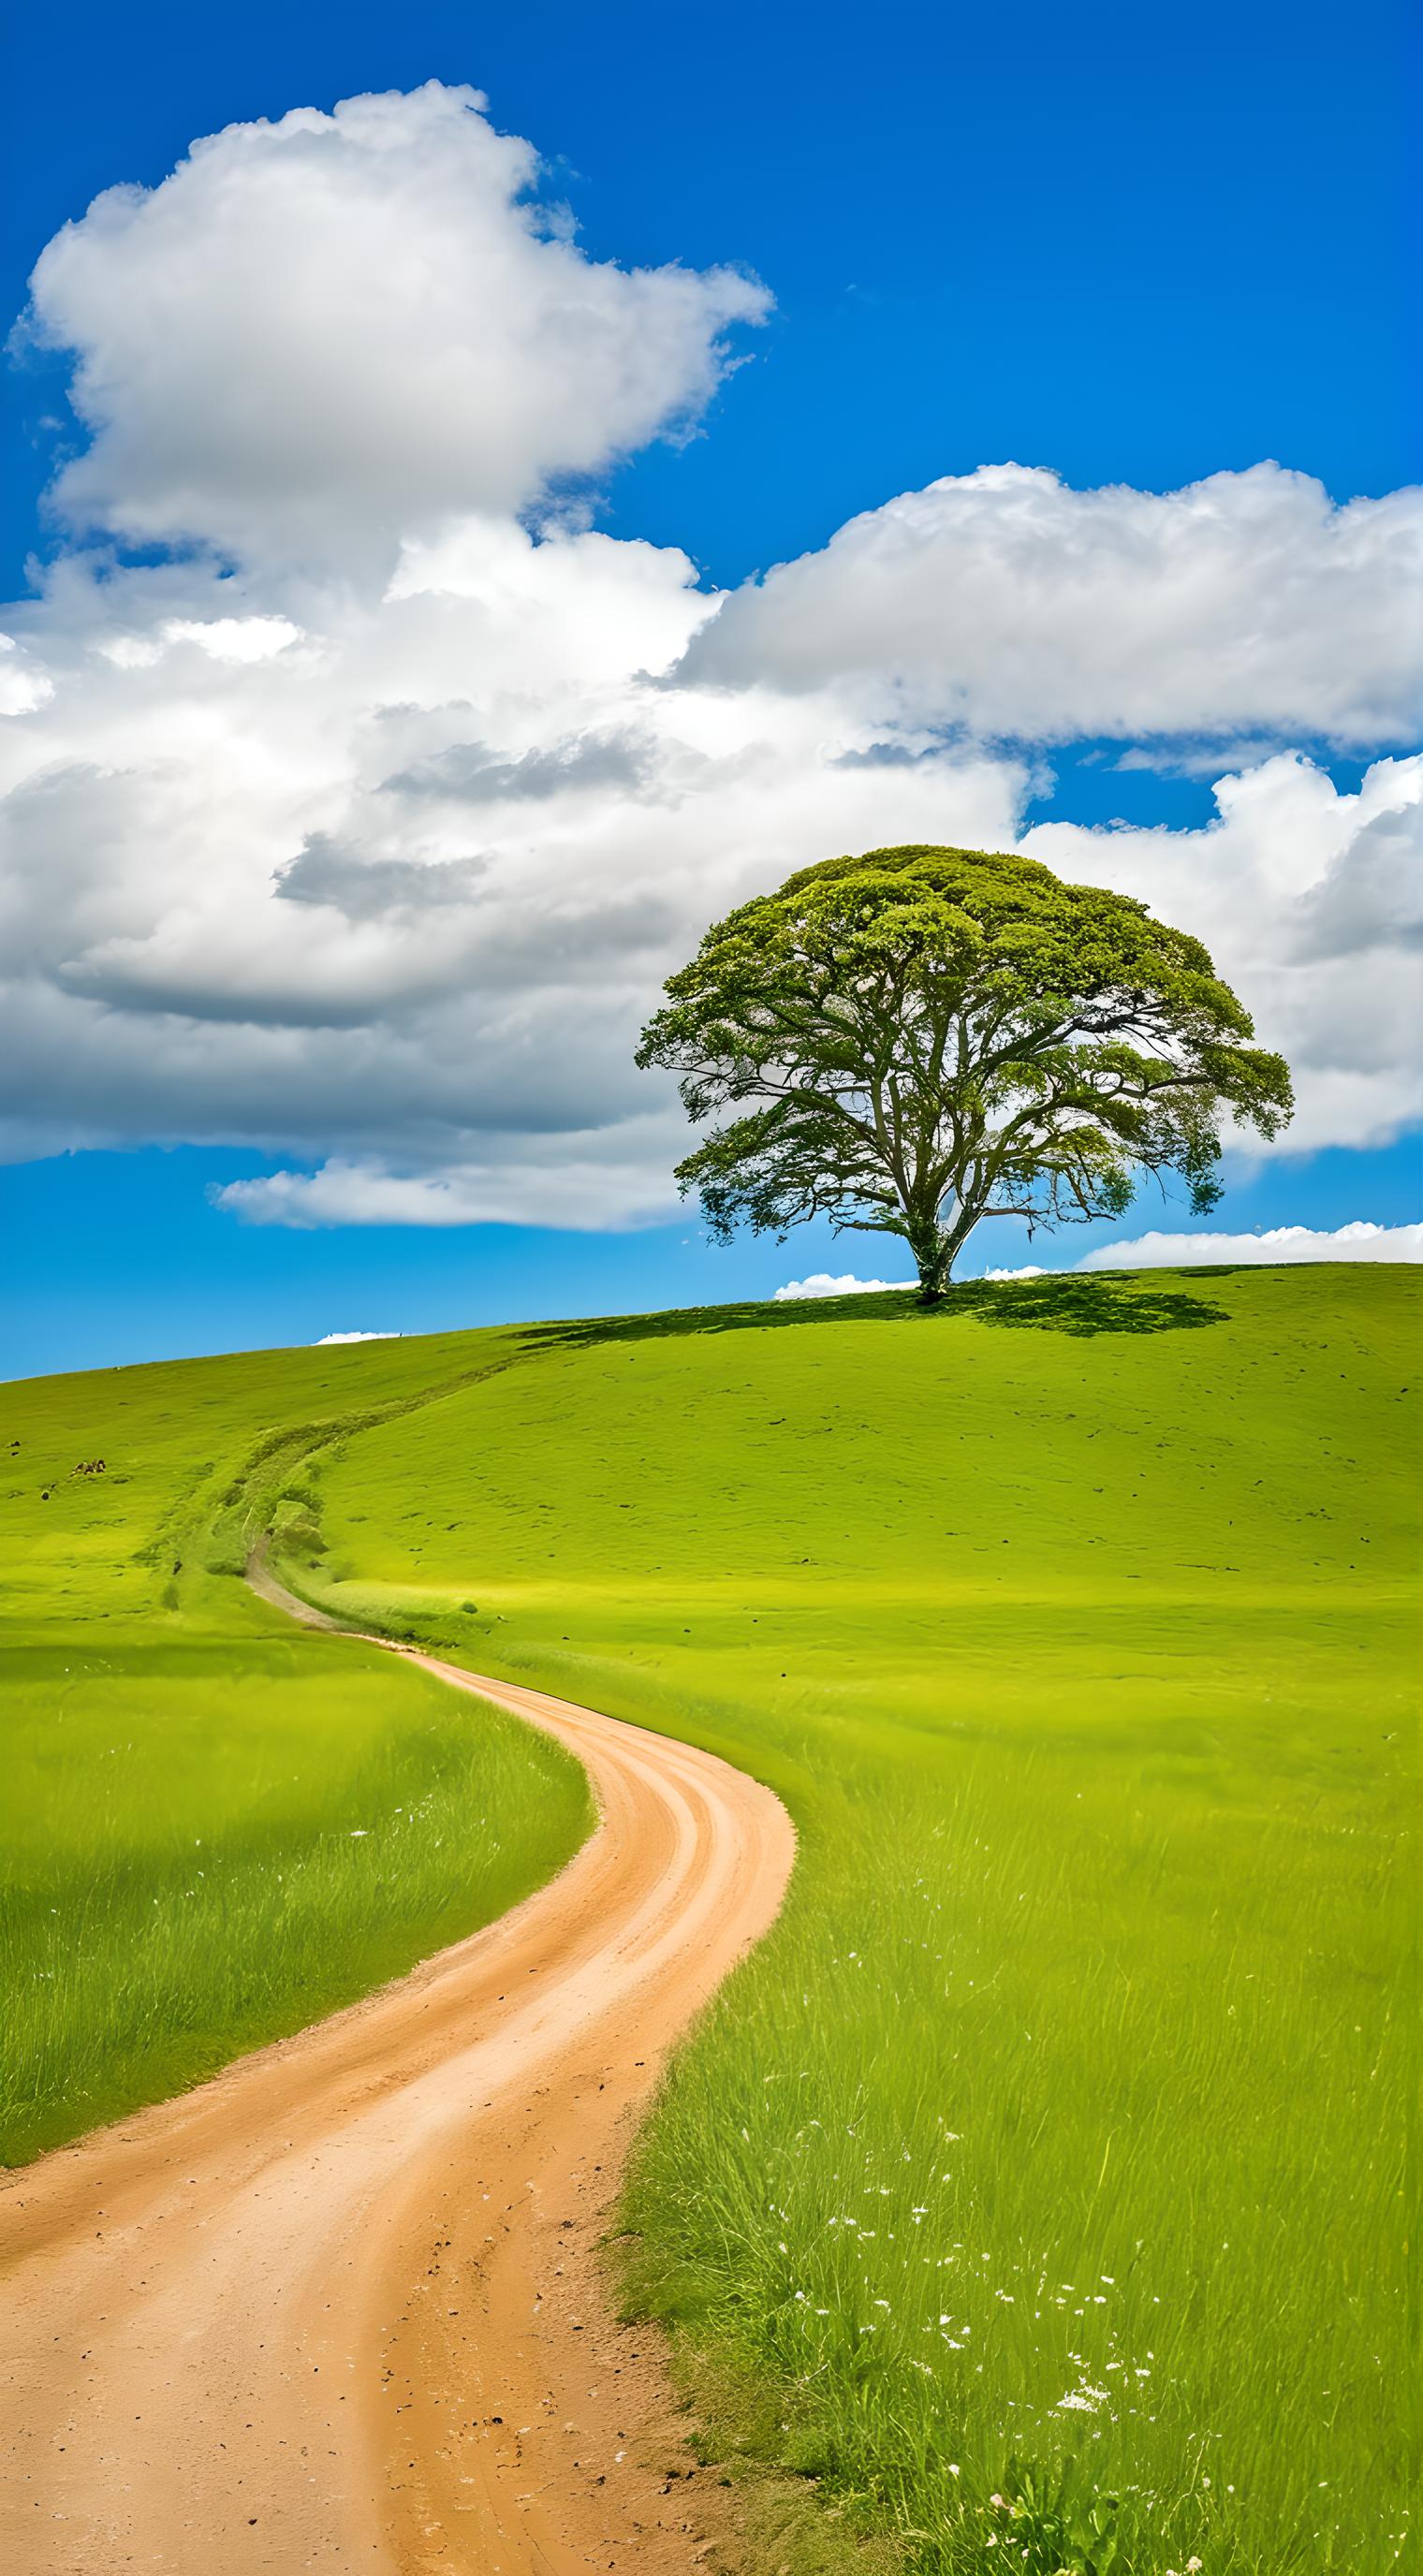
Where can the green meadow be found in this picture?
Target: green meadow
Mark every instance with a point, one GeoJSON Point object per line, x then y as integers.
{"type": "Point", "coordinates": [216, 1826]}
{"type": "Point", "coordinates": [1035, 2187]}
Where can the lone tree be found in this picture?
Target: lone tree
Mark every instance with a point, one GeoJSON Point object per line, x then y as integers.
{"type": "Point", "coordinates": [931, 1036]}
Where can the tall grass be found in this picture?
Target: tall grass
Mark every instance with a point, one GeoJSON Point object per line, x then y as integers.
{"type": "Point", "coordinates": [344, 1828]}
{"type": "Point", "coordinates": [1013, 2193]}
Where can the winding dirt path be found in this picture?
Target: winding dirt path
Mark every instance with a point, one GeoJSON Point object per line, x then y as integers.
{"type": "Point", "coordinates": [339, 2308]}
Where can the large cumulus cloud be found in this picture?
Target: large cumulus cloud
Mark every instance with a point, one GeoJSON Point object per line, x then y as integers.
{"type": "Point", "coordinates": [1005, 601]}
{"type": "Point", "coordinates": [327, 330]}
{"type": "Point", "coordinates": [398, 890]}
{"type": "Point", "coordinates": [362, 825]}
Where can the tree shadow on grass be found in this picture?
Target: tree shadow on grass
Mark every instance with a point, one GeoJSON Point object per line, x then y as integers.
{"type": "Point", "coordinates": [1092, 1305]}
{"type": "Point", "coordinates": [1115, 1302]}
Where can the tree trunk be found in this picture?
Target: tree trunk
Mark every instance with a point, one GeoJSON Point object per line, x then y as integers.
{"type": "Point", "coordinates": [936, 1248]}
{"type": "Point", "coordinates": [934, 1259]}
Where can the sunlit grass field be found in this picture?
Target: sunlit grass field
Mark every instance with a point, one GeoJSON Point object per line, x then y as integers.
{"type": "Point", "coordinates": [216, 1827]}
{"type": "Point", "coordinates": [1036, 2185]}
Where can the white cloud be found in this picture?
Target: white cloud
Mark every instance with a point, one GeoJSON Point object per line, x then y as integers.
{"type": "Point", "coordinates": [1311, 903]}
{"type": "Point", "coordinates": [821, 1284]}
{"type": "Point", "coordinates": [328, 1338]}
{"type": "Point", "coordinates": [571, 1181]}
{"type": "Point", "coordinates": [1030, 1270]}
{"type": "Point", "coordinates": [226, 639]}
{"type": "Point", "coordinates": [1357, 1242]}
{"type": "Point", "coordinates": [399, 896]}
{"type": "Point", "coordinates": [23, 686]}
{"type": "Point", "coordinates": [329, 331]}
{"type": "Point", "coordinates": [1005, 601]}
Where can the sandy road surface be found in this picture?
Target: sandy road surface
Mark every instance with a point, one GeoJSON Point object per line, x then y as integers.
{"type": "Point", "coordinates": [339, 2308]}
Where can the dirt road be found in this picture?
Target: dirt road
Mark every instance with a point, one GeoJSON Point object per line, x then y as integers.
{"type": "Point", "coordinates": [340, 2308]}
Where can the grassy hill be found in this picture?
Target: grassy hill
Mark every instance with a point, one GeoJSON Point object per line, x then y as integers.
{"type": "Point", "coordinates": [1049, 2149]}
{"type": "Point", "coordinates": [217, 1827]}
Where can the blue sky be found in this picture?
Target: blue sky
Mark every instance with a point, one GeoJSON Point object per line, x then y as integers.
{"type": "Point", "coordinates": [1135, 247]}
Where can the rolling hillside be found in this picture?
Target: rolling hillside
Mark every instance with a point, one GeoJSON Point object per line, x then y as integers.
{"type": "Point", "coordinates": [1048, 2150]}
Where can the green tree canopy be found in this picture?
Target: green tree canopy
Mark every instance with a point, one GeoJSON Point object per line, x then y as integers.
{"type": "Point", "coordinates": [931, 1036]}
